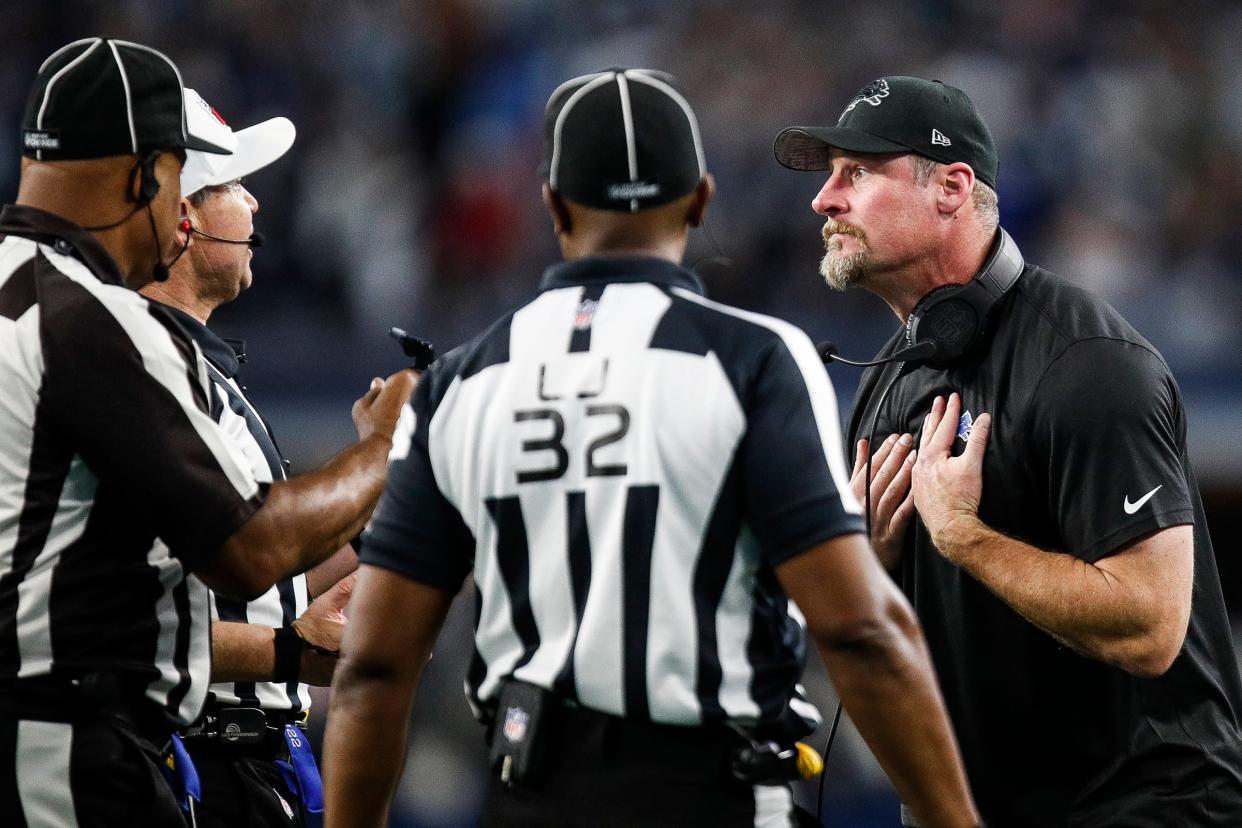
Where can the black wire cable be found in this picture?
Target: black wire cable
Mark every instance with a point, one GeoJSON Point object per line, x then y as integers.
{"type": "Point", "coordinates": [819, 796]}
{"type": "Point", "coordinates": [836, 718]}
{"type": "Point", "coordinates": [718, 259]}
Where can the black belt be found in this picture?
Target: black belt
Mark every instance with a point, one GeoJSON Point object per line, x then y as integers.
{"type": "Point", "coordinates": [584, 739]}
{"type": "Point", "coordinates": [90, 696]}
{"type": "Point", "coordinates": [632, 741]}
{"type": "Point", "coordinates": [587, 739]}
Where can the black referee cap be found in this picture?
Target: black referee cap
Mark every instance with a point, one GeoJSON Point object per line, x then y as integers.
{"type": "Point", "coordinates": [98, 96]}
{"type": "Point", "coordinates": [899, 114]}
{"type": "Point", "coordinates": [622, 139]}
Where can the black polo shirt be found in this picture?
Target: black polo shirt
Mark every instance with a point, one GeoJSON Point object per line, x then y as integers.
{"type": "Point", "coordinates": [1087, 455]}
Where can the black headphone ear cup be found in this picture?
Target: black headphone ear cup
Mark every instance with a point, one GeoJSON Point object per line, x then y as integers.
{"type": "Point", "coordinates": [952, 316]}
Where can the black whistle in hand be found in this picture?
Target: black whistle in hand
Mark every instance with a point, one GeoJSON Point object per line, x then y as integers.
{"type": "Point", "coordinates": [420, 350]}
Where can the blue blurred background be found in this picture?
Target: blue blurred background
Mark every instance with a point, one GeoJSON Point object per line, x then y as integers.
{"type": "Point", "coordinates": [411, 199]}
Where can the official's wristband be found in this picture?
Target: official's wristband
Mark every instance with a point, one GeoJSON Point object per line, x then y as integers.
{"type": "Point", "coordinates": [313, 647]}
{"type": "Point", "coordinates": [288, 655]}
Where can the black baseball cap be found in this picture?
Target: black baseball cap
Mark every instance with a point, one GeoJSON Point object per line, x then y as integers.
{"type": "Point", "coordinates": [899, 114]}
{"type": "Point", "coordinates": [99, 96]}
{"type": "Point", "coordinates": [621, 139]}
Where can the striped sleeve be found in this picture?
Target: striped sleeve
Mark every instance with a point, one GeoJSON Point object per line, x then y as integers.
{"type": "Point", "coordinates": [129, 389]}
{"type": "Point", "coordinates": [416, 531]}
{"type": "Point", "coordinates": [796, 483]}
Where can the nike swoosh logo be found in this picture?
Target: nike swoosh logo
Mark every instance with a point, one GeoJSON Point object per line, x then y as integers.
{"type": "Point", "coordinates": [1131, 508]}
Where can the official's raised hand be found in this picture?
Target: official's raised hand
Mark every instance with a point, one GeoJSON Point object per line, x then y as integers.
{"type": "Point", "coordinates": [377, 411]}
{"type": "Point", "coordinates": [892, 503]}
{"type": "Point", "coordinates": [948, 488]}
{"type": "Point", "coordinates": [322, 626]}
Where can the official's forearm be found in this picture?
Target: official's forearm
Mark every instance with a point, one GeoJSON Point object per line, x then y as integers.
{"type": "Point", "coordinates": [302, 522]}
{"type": "Point", "coordinates": [1080, 604]}
{"type": "Point", "coordinates": [364, 748]}
{"type": "Point", "coordinates": [886, 683]}
{"type": "Point", "coordinates": [324, 509]}
{"type": "Point", "coordinates": [321, 578]}
{"type": "Point", "coordinates": [242, 652]}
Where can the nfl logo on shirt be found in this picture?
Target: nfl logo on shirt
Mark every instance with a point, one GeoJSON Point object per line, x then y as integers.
{"type": "Point", "coordinates": [515, 724]}
{"type": "Point", "coordinates": [964, 426]}
{"type": "Point", "coordinates": [585, 314]}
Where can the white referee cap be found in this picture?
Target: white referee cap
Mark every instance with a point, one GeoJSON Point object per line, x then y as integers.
{"type": "Point", "coordinates": [253, 148]}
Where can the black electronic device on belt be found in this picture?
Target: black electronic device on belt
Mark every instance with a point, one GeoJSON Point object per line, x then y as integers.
{"type": "Point", "coordinates": [420, 350]}
{"type": "Point", "coordinates": [519, 732]}
{"type": "Point", "coordinates": [240, 726]}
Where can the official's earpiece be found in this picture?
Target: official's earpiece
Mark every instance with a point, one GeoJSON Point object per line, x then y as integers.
{"type": "Point", "coordinates": [187, 226]}
{"type": "Point", "coordinates": [148, 184]}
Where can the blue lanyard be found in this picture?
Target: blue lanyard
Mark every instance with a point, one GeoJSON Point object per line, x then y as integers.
{"type": "Point", "coordinates": [301, 773]}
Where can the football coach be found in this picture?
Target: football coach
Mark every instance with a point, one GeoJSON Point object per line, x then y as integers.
{"type": "Point", "coordinates": [1056, 552]}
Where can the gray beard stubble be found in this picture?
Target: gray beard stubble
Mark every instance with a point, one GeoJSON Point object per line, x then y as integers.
{"type": "Point", "coordinates": [841, 272]}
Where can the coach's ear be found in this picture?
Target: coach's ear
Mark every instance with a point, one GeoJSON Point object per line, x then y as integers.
{"type": "Point", "coordinates": [702, 196]}
{"type": "Point", "coordinates": [557, 210]}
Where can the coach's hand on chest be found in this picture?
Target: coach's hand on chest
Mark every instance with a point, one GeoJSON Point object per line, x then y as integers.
{"type": "Point", "coordinates": [948, 485]}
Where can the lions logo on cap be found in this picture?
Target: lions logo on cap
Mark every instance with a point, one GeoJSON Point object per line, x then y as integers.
{"type": "Point", "coordinates": [873, 93]}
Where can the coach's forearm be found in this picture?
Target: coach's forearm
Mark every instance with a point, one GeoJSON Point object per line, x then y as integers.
{"type": "Point", "coordinates": [886, 683]}
{"type": "Point", "coordinates": [365, 745]}
{"type": "Point", "coordinates": [1103, 611]}
{"type": "Point", "coordinates": [302, 522]}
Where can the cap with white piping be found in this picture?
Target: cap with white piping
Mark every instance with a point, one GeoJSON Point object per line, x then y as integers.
{"type": "Point", "coordinates": [622, 139]}
{"type": "Point", "coordinates": [253, 148]}
{"type": "Point", "coordinates": [97, 97]}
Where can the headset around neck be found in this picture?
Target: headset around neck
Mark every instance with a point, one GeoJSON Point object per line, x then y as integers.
{"type": "Point", "coordinates": [954, 318]}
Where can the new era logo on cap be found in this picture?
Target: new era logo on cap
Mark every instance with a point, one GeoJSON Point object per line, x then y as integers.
{"type": "Point", "coordinates": [939, 139]}
{"type": "Point", "coordinates": [622, 139]}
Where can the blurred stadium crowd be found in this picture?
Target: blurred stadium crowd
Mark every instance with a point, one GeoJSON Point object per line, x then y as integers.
{"type": "Point", "coordinates": [411, 196]}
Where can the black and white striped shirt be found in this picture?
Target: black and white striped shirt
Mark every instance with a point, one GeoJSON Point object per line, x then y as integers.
{"type": "Point", "coordinates": [622, 463]}
{"type": "Point", "coordinates": [280, 605]}
{"type": "Point", "coordinates": [114, 479]}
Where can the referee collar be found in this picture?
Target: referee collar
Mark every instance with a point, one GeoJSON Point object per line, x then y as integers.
{"type": "Point", "coordinates": [64, 236]}
{"type": "Point", "coordinates": [218, 352]}
{"type": "Point", "coordinates": [596, 270]}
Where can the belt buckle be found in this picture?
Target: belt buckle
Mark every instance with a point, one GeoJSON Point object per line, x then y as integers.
{"type": "Point", "coordinates": [241, 726]}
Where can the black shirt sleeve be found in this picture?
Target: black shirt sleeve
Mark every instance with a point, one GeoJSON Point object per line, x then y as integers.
{"type": "Point", "coordinates": [1108, 435]}
{"type": "Point", "coordinates": [796, 482]}
{"type": "Point", "coordinates": [416, 531]}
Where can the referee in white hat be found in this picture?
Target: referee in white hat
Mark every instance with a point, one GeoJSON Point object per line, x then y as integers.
{"type": "Point", "coordinates": [249, 748]}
